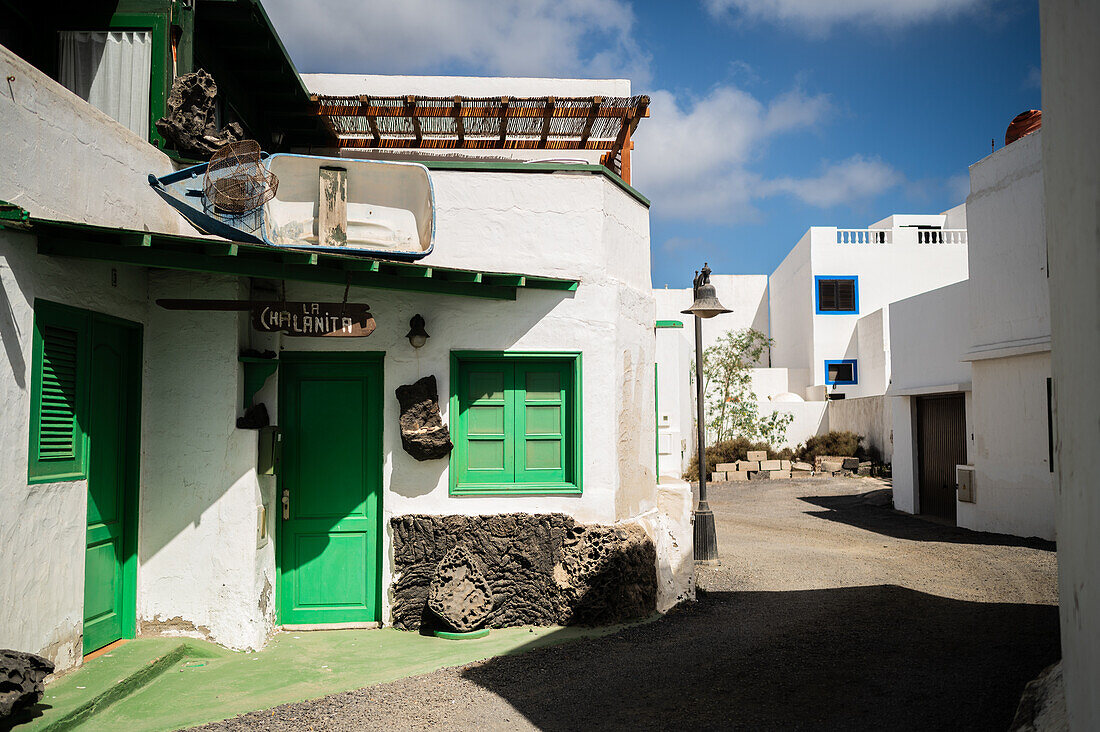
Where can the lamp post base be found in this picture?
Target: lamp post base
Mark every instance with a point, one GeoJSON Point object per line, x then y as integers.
{"type": "Point", "coordinates": [706, 539]}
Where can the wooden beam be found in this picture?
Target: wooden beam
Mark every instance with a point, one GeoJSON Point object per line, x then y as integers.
{"type": "Point", "coordinates": [372, 120]}
{"type": "Point", "coordinates": [593, 112]}
{"type": "Point", "coordinates": [503, 120]}
{"type": "Point", "coordinates": [547, 115]}
{"type": "Point", "coordinates": [411, 111]}
{"type": "Point", "coordinates": [460, 126]}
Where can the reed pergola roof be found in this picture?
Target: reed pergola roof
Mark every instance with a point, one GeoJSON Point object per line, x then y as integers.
{"type": "Point", "coordinates": [535, 123]}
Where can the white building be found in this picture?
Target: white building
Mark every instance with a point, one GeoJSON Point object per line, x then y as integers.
{"type": "Point", "coordinates": [1071, 181]}
{"type": "Point", "coordinates": [133, 505]}
{"type": "Point", "coordinates": [826, 306]}
{"type": "Point", "coordinates": [972, 365]}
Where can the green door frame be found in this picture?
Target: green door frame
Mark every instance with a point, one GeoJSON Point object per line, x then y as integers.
{"type": "Point", "coordinates": [370, 359]}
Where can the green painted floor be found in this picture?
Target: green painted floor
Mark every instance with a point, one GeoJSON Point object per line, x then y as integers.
{"type": "Point", "coordinates": [202, 682]}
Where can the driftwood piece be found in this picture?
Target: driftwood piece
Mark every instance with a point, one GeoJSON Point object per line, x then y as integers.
{"type": "Point", "coordinates": [332, 209]}
{"type": "Point", "coordinates": [191, 123]}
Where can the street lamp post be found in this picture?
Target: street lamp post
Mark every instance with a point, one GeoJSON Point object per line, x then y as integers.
{"type": "Point", "coordinates": [706, 305]}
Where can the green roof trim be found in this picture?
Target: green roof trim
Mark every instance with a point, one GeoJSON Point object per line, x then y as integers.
{"type": "Point", "coordinates": [218, 256]}
{"type": "Point", "coordinates": [669, 324]}
{"type": "Point", "coordinates": [11, 212]}
{"type": "Point", "coordinates": [521, 167]}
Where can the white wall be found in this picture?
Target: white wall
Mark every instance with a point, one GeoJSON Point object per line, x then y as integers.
{"type": "Point", "coordinates": [1008, 245]}
{"type": "Point", "coordinates": [47, 133]}
{"type": "Point", "coordinates": [1009, 344]}
{"type": "Point", "coordinates": [791, 309]}
{"type": "Point", "coordinates": [886, 272]}
{"type": "Point", "coordinates": [929, 335]}
{"type": "Point", "coordinates": [1013, 483]}
{"type": "Point", "coordinates": [42, 527]}
{"type": "Point", "coordinates": [1071, 175]}
{"type": "Point", "coordinates": [201, 571]}
{"type": "Point", "coordinates": [808, 419]}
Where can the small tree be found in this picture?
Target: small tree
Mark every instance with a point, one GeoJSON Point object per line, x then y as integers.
{"type": "Point", "coordinates": [730, 405]}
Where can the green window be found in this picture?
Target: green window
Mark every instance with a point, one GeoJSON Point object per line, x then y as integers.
{"type": "Point", "coordinates": [515, 422]}
{"type": "Point", "coordinates": [59, 393]}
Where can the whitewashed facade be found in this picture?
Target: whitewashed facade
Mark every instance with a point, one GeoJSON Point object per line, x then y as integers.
{"type": "Point", "coordinates": [206, 521]}
{"type": "Point", "coordinates": [892, 259]}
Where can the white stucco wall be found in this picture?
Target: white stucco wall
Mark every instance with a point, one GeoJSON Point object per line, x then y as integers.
{"type": "Point", "coordinates": [201, 570]}
{"type": "Point", "coordinates": [809, 419]}
{"type": "Point", "coordinates": [1071, 176]}
{"type": "Point", "coordinates": [1013, 483]}
{"type": "Point", "coordinates": [47, 133]}
{"type": "Point", "coordinates": [1008, 245]}
{"type": "Point", "coordinates": [42, 527]}
{"type": "Point", "coordinates": [929, 334]}
{"type": "Point", "coordinates": [675, 401]}
{"type": "Point", "coordinates": [1009, 344]}
{"type": "Point", "coordinates": [791, 315]}
{"type": "Point", "coordinates": [887, 273]}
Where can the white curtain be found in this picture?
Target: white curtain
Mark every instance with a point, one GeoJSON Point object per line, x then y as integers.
{"type": "Point", "coordinates": [111, 71]}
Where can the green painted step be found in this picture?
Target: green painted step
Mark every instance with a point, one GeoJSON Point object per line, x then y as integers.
{"type": "Point", "coordinates": [99, 696]}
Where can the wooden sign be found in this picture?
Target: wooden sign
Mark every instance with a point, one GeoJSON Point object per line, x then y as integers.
{"type": "Point", "coordinates": [313, 319]}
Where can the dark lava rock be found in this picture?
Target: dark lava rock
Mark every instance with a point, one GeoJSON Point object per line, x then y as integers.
{"type": "Point", "coordinates": [423, 434]}
{"type": "Point", "coordinates": [190, 125]}
{"type": "Point", "coordinates": [544, 569]}
{"type": "Point", "coordinates": [612, 574]}
{"type": "Point", "coordinates": [459, 593]}
{"type": "Point", "coordinates": [21, 676]}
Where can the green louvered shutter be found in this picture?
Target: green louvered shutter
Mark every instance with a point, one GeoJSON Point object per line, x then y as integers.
{"type": "Point", "coordinates": [58, 394]}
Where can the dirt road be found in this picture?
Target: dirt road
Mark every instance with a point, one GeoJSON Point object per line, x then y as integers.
{"type": "Point", "coordinates": [828, 612]}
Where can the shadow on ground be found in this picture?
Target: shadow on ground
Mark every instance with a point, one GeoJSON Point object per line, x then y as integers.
{"type": "Point", "coordinates": [869, 511]}
{"type": "Point", "coordinates": [878, 657]}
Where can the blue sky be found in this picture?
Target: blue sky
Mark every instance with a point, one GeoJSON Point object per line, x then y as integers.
{"type": "Point", "coordinates": [767, 116]}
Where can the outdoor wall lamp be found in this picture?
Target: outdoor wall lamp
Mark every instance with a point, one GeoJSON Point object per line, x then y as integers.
{"type": "Point", "coordinates": [417, 335]}
{"type": "Point", "coordinates": [706, 305]}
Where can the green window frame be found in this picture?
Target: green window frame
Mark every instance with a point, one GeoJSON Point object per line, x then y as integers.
{"type": "Point", "coordinates": [515, 420]}
{"type": "Point", "coordinates": [59, 393]}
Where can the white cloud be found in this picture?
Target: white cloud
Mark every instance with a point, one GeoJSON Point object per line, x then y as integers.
{"type": "Point", "coordinates": [696, 158]}
{"type": "Point", "coordinates": [820, 15]}
{"type": "Point", "coordinates": [849, 180]}
{"type": "Point", "coordinates": [958, 187]}
{"type": "Point", "coordinates": [593, 38]}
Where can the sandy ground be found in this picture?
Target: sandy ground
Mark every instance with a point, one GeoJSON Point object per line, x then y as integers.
{"type": "Point", "coordinates": [828, 611]}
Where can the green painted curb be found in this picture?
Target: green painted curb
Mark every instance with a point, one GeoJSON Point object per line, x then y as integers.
{"type": "Point", "coordinates": [119, 691]}
{"type": "Point", "coordinates": [453, 635]}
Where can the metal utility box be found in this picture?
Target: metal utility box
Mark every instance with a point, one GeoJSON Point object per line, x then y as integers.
{"type": "Point", "coordinates": [964, 481]}
{"type": "Point", "coordinates": [270, 450]}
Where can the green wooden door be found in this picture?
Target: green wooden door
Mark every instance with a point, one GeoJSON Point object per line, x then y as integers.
{"type": "Point", "coordinates": [330, 412]}
{"type": "Point", "coordinates": [112, 429]}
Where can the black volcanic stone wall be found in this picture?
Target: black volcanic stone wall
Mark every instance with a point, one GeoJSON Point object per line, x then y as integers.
{"type": "Point", "coordinates": [543, 569]}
